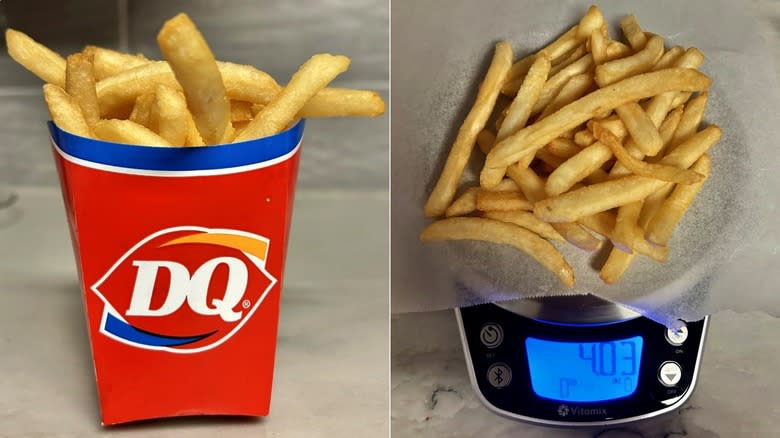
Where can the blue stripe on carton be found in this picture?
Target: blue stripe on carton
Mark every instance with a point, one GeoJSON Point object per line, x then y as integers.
{"type": "Point", "coordinates": [178, 158]}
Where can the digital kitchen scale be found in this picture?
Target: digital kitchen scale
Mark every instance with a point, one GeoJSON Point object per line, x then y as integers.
{"type": "Point", "coordinates": [578, 360]}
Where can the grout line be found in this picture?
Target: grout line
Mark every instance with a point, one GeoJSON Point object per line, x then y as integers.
{"type": "Point", "coordinates": [122, 19]}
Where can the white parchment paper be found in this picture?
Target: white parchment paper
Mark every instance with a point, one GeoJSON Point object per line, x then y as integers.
{"type": "Point", "coordinates": [724, 252]}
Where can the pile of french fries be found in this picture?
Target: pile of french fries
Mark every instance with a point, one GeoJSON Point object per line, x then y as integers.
{"type": "Point", "coordinates": [190, 99]}
{"type": "Point", "coordinates": [600, 137]}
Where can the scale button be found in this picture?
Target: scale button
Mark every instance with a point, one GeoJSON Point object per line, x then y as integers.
{"type": "Point", "coordinates": [669, 373]}
{"type": "Point", "coordinates": [676, 336]}
{"type": "Point", "coordinates": [499, 375]}
{"type": "Point", "coordinates": [491, 335]}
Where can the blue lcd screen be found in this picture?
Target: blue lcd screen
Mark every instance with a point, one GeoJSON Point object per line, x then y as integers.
{"type": "Point", "coordinates": [584, 371]}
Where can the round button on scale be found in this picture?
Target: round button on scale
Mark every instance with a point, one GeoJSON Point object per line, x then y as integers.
{"type": "Point", "coordinates": [669, 373]}
{"type": "Point", "coordinates": [676, 336]}
{"type": "Point", "coordinates": [499, 375]}
{"type": "Point", "coordinates": [491, 335]}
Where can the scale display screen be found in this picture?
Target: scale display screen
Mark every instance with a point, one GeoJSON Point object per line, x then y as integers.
{"type": "Point", "coordinates": [584, 371]}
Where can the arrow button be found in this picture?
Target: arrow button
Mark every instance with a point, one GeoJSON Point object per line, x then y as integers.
{"type": "Point", "coordinates": [670, 373]}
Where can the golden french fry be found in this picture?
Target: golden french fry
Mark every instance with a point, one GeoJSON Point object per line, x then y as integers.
{"type": "Point", "coordinates": [107, 62]}
{"type": "Point", "coordinates": [668, 126]}
{"type": "Point", "coordinates": [238, 127]}
{"type": "Point", "coordinates": [555, 83]}
{"type": "Point", "coordinates": [485, 140]}
{"type": "Point", "coordinates": [615, 266]}
{"type": "Point", "coordinates": [314, 75]}
{"type": "Point", "coordinates": [240, 111]}
{"type": "Point", "coordinates": [546, 157]}
{"type": "Point", "coordinates": [142, 109]}
{"type": "Point", "coordinates": [193, 137]}
{"type": "Point", "coordinates": [64, 111]}
{"type": "Point", "coordinates": [617, 50]}
{"type": "Point", "coordinates": [80, 85]}
{"type": "Point", "coordinates": [633, 32]}
{"type": "Point", "coordinates": [506, 185]}
{"type": "Point", "coordinates": [640, 62]}
{"type": "Point", "coordinates": [613, 193]}
{"type": "Point", "coordinates": [576, 235]}
{"type": "Point", "coordinates": [602, 223]}
{"type": "Point", "coordinates": [464, 204]}
{"type": "Point", "coordinates": [458, 157]}
{"type": "Point", "coordinates": [571, 58]}
{"type": "Point", "coordinates": [643, 132]}
{"type": "Point", "coordinates": [574, 88]}
{"type": "Point", "coordinates": [488, 200]}
{"type": "Point", "coordinates": [592, 20]}
{"type": "Point", "coordinates": [658, 107]}
{"type": "Point", "coordinates": [584, 138]}
{"type": "Point", "coordinates": [196, 70]}
{"type": "Point", "coordinates": [563, 148]}
{"type": "Point", "coordinates": [576, 168]}
{"type": "Point", "coordinates": [614, 124]}
{"type": "Point", "coordinates": [531, 184]}
{"type": "Point", "coordinates": [125, 131]}
{"type": "Point", "coordinates": [691, 118]}
{"type": "Point", "coordinates": [681, 99]}
{"type": "Point", "coordinates": [626, 230]}
{"type": "Point", "coordinates": [526, 220]}
{"type": "Point", "coordinates": [489, 230]}
{"type": "Point", "coordinates": [168, 116]}
{"type": "Point", "coordinates": [660, 228]}
{"type": "Point", "coordinates": [344, 102]}
{"type": "Point", "coordinates": [669, 58]}
{"type": "Point", "coordinates": [35, 57]}
{"type": "Point", "coordinates": [639, 167]}
{"type": "Point", "coordinates": [598, 47]}
{"type": "Point", "coordinates": [520, 109]}
{"type": "Point", "coordinates": [527, 141]}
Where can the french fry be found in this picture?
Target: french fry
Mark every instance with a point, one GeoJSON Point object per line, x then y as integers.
{"type": "Point", "coordinates": [142, 109]}
{"type": "Point", "coordinates": [464, 204]}
{"type": "Point", "coordinates": [196, 70]}
{"type": "Point", "coordinates": [571, 58]}
{"type": "Point", "coordinates": [107, 62]}
{"type": "Point", "coordinates": [485, 140]}
{"type": "Point", "coordinates": [240, 111]}
{"type": "Point", "coordinates": [314, 75]}
{"type": "Point", "coordinates": [643, 132]}
{"type": "Point", "coordinates": [574, 88]}
{"type": "Point", "coordinates": [669, 59]}
{"type": "Point", "coordinates": [639, 167]}
{"type": "Point", "coordinates": [193, 137]}
{"type": "Point", "coordinates": [125, 131]}
{"type": "Point", "coordinates": [529, 92]}
{"type": "Point", "coordinates": [80, 85]}
{"type": "Point", "coordinates": [555, 83]}
{"type": "Point", "coordinates": [592, 20]}
{"type": "Point", "coordinates": [502, 201]}
{"type": "Point", "coordinates": [64, 111]}
{"type": "Point", "coordinates": [506, 185]}
{"type": "Point", "coordinates": [576, 168]}
{"type": "Point", "coordinates": [681, 99]}
{"type": "Point", "coordinates": [563, 148]}
{"type": "Point", "coordinates": [526, 220]}
{"type": "Point", "coordinates": [616, 265]}
{"type": "Point", "coordinates": [468, 228]}
{"type": "Point", "coordinates": [626, 230]}
{"type": "Point", "coordinates": [168, 116]}
{"type": "Point", "coordinates": [658, 107]}
{"type": "Point", "coordinates": [691, 118]}
{"type": "Point", "coordinates": [598, 47]}
{"type": "Point", "coordinates": [633, 32]}
{"type": "Point", "coordinates": [613, 193]}
{"type": "Point", "coordinates": [617, 50]}
{"type": "Point", "coordinates": [578, 236]}
{"type": "Point", "coordinates": [444, 191]}
{"type": "Point", "coordinates": [660, 228]}
{"type": "Point", "coordinates": [35, 57]}
{"type": "Point", "coordinates": [528, 140]}
{"type": "Point", "coordinates": [584, 138]}
{"type": "Point", "coordinates": [344, 102]}
{"type": "Point", "coordinates": [604, 224]}
{"type": "Point", "coordinates": [640, 62]}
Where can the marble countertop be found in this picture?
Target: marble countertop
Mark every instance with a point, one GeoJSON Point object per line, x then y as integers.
{"type": "Point", "coordinates": [331, 374]}
{"type": "Point", "coordinates": [737, 395]}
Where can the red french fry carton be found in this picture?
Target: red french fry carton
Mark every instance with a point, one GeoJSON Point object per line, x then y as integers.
{"type": "Point", "coordinates": [180, 254]}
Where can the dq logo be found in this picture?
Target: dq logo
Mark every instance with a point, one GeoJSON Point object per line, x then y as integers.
{"type": "Point", "coordinates": [184, 289]}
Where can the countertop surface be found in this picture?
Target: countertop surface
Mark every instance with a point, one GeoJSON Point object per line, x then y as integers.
{"type": "Point", "coordinates": [331, 374]}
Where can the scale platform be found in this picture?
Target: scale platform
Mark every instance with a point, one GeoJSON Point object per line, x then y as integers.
{"type": "Point", "coordinates": [578, 361]}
